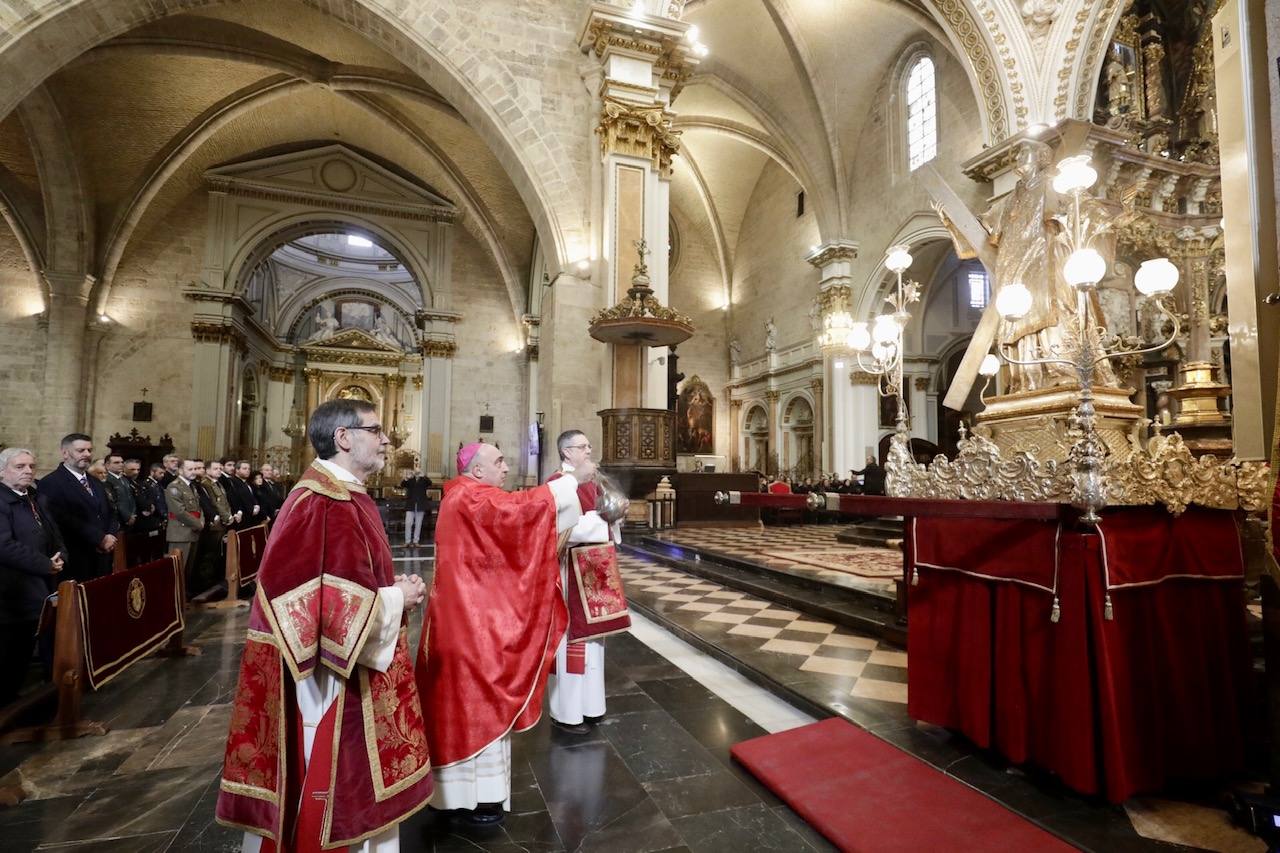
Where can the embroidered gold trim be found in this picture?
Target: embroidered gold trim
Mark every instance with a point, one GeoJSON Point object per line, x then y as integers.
{"type": "Point", "coordinates": [240, 789]}
{"type": "Point", "coordinates": [355, 639]}
{"type": "Point", "coordinates": [284, 626]}
{"type": "Point", "coordinates": [320, 481]}
{"type": "Point", "coordinates": [381, 792]}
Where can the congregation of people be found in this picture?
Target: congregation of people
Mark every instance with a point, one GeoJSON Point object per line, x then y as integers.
{"type": "Point", "coordinates": [868, 480]}
{"type": "Point", "coordinates": [69, 524]}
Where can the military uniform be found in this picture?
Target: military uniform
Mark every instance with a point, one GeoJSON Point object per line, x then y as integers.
{"type": "Point", "coordinates": [186, 520]}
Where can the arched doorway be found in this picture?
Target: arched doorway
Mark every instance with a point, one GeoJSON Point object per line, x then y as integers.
{"type": "Point", "coordinates": [797, 437]}
{"type": "Point", "coordinates": [755, 440]}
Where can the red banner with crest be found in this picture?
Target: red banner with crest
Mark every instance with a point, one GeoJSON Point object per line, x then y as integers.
{"type": "Point", "coordinates": [244, 552]}
{"type": "Point", "coordinates": [597, 604]}
{"type": "Point", "coordinates": [127, 615]}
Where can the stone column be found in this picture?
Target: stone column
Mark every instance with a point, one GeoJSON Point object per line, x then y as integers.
{"type": "Point", "coordinates": [437, 441]}
{"type": "Point", "coordinates": [773, 445]}
{"type": "Point", "coordinates": [820, 462]}
{"type": "Point", "coordinates": [834, 262]}
{"type": "Point", "coordinates": [735, 436]}
{"type": "Point", "coordinates": [63, 405]}
{"type": "Point", "coordinates": [645, 60]}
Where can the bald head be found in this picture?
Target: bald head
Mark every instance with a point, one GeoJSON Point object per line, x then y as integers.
{"type": "Point", "coordinates": [487, 466]}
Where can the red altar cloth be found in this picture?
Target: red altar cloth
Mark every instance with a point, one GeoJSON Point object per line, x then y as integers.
{"type": "Point", "coordinates": [1153, 696]}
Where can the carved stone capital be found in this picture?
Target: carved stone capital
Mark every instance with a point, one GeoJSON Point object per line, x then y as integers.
{"type": "Point", "coordinates": [772, 396]}
{"type": "Point", "coordinates": [277, 373]}
{"type": "Point", "coordinates": [858, 377]}
{"type": "Point", "coordinates": [218, 333]}
{"type": "Point", "coordinates": [638, 131]}
{"type": "Point", "coordinates": [815, 385]}
{"type": "Point", "coordinates": [838, 250]}
{"type": "Point", "coordinates": [922, 383]}
{"type": "Point", "coordinates": [439, 349]}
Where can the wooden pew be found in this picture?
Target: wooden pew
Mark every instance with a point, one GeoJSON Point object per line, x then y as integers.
{"type": "Point", "coordinates": [244, 555]}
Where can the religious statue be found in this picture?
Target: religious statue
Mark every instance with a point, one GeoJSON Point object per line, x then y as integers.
{"type": "Point", "coordinates": [1021, 226]}
{"type": "Point", "coordinates": [770, 336]}
{"type": "Point", "coordinates": [325, 325]}
{"type": "Point", "coordinates": [1119, 90]}
{"type": "Point", "coordinates": [382, 331]}
{"type": "Point", "coordinates": [735, 352]}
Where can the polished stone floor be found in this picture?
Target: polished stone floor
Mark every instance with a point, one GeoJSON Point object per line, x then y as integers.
{"type": "Point", "coordinates": [654, 775]}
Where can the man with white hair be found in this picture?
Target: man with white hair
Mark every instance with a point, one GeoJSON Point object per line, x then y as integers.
{"type": "Point", "coordinates": [30, 560]}
{"type": "Point", "coordinates": [495, 617]}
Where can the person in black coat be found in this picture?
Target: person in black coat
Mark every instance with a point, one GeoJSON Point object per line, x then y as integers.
{"type": "Point", "coordinates": [872, 477]}
{"type": "Point", "coordinates": [30, 561]}
{"type": "Point", "coordinates": [153, 494]}
{"type": "Point", "coordinates": [240, 493]}
{"type": "Point", "coordinates": [268, 492]}
{"type": "Point", "coordinates": [416, 506]}
{"type": "Point", "coordinates": [81, 510]}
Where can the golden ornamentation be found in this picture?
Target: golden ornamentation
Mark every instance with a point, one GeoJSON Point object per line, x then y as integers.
{"type": "Point", "coordinates": [1164, 472]}
{"type": "Point", "coordinates": [137, 598]}
{"type": "Point", "coordinates": [640, 318]}
{"type": "Point", "coordinates": [834, 252]}
{"type": "Point", "coordinates": [217, 334]}
{"type": "Point", "coordinates": [861, 377]}
{"type": "Point", "coordinates": [922, 383]}
{"type": "Point", "coordinates": [1095, 45]}
{"type": "Point", "coordinates": [281, 374]}
{"type": "Point", "coordinates": [439, 349]}
{"type": "Point", "coordinates": [638, 131]}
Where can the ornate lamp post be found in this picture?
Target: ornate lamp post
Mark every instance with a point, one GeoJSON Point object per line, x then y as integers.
{"type": "Point", "coordinates": [1086, 343]}
{"type": "Point", "coordinates": [883, 341]}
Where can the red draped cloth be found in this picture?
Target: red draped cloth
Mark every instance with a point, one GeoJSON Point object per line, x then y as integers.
{"type": "Point", "coordinates": [315, 606]}
{"type": "Point", "coordinates": [1155, 695]}
{"type": "Point", "coordinates": [495, 615]}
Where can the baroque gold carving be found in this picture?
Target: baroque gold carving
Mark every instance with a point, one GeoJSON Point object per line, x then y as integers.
{"type": "Point", "coordinates": [984, 65]}
{"type": "Point", "coordinates": [859, 377]}
{"type": "Point", "coordinates": [439, 349]}
{"type": "Point", "coordinates": [280, 374]}
{"type": "Point", "coordinates": [638, 131]}
{"type": "Point", "coordinates": [1164, 472]}
{"type": "Point", "coordinates": [217, 333]}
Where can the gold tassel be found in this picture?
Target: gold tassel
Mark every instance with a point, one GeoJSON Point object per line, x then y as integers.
{"type": "Point", "coordinates": [915, 576]}
{"type": "Point", "coordinates": [1056, 613]}
{"type": "Point", "coordinates": [1107, 612]}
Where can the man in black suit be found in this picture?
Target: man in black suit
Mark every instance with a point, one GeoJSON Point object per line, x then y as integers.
{"type": "Point", "coordinates": [872, 477]}
{"type": "Point", "coordinates": [416, 506]}
{"type": "Point", "coordinates": [153, 494]}
{"type": "Point", "coordinates": [142, 499]}
{"type": "Point", "coordinates": [269, 494]}
{"type": "Point", "coordinates": [240, 493]}
{"type": "Point", "coordinates": [30, 560]}
{"type": "Point", "coordinates": [81, 510]}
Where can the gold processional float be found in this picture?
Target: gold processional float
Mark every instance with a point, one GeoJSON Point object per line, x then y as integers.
{"type": "Point", "coordinates": [1065, 430]}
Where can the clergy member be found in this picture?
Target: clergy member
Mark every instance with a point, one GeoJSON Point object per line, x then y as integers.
{"type": "Point", "coordinates": [577, 691]}
{"type": "Point", "coordinates": [495, 617]}
{"type": "Point", "coordinates": [327, 747]}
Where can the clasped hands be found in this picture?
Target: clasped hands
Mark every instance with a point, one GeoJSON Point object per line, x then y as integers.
{"type": "Point", "coordinates": [414, 589]}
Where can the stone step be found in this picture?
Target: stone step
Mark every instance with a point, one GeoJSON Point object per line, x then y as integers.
{"type": "Point", "coordinates": [854, 609]}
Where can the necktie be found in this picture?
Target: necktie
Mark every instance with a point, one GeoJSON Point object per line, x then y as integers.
{"type": "Point", "coordinates": [84, 481]}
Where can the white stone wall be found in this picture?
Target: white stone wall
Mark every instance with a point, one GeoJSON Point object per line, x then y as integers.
{"type": "Point", "coordinates": [22, 355]}
{"type": "Point", "coordinates": [489, 366]}
{"type": "Point", "coordinates": [697, 290]}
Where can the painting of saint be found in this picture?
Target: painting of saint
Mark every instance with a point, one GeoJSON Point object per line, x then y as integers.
{"type": "Point", "coordinates": [695, 418]}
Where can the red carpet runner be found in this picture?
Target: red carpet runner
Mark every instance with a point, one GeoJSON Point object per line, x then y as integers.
{"type": "Point", "coordinates": [866, 795]}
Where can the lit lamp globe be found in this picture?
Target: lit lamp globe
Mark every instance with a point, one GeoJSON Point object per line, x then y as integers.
{"type": "Point", "coordinates": [859, 337]}
{"type": "Point", "coordinates": [898, 259]}
{"type": "Point", "coordinates": [1013, 301]}
{"type": "Point", "coordinates": [1084, 268]}
{"type": "Point", "coordinates": [1075, 174]}
{"type": "Point", "coordinates": [1155, 277]}
{"type": "Point", "coordinates": [881, 352]}
{"type": "Point", "coordinates": [990, 365]}
{"type": "Point", "coordinates": [885, 330]}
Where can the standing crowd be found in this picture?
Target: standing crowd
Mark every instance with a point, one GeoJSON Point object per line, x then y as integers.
{"type": "Point", "coordinates": [69, 524]}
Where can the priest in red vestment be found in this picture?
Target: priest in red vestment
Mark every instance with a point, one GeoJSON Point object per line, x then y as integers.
{"type": "Point", "coordinates": [327, 748]}
{"type": "Point", "coordinates": [495, 615]}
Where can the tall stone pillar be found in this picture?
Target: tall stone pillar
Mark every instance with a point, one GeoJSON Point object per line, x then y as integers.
{"type": "Point", "coordinates": [735, 434]}
{"type": "Point", "coordinates": [820, 464]}
{"type": "Point", "coordinates": [834, 412]}
{"type": "Point", "coordinates": [436, 434]}
{"type": "Point", "coordinates": [645, 59]}
{"type": "Point", "coordinates": [63, 406]}
{"type": "Point", "coordinates": [775, 432]}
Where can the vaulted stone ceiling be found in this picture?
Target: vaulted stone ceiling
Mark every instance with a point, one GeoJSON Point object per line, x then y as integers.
{"type": "Point", "coordinates": [149, 111]}
{"type": "Point", "coordinates": [797, 82]}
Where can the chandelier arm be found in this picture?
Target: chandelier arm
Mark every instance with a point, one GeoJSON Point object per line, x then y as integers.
{"type": "Point", "coordinates": [1030, 362]}
{"type": "Point", "coordinates": [1173, 336]}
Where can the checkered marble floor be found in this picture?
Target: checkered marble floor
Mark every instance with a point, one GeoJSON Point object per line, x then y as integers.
{"type": "Point", "coordinates": [761, 546]}
{"type": "Point", "coordinates": [784, 643]}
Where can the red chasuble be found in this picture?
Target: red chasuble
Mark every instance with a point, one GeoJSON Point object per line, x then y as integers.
{"type": "Point", "coordinates": [317, 594]}
{"type": "Point", "coordinates": [494, 618]}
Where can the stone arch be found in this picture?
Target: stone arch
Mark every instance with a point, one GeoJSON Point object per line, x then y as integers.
{"type": "Point", "coordinates": [468, 74]}
{"type": "Point", "coordinates": [295, 311]}
{"type": "Point", "coordinates": [256, 246]}
{"type": "Point", "coordinates": [922, 227]}
{"type": "Point", "coordinates": [799, 442]}
{"type": "Point", "coordinates": [754, 439]}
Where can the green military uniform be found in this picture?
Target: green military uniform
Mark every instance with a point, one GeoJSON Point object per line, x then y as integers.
{"type": "Point", "coordinates": [220, 503]}
{"type": "Point", "coordinates": [121, 493]}
{"type": "Point", "coordinates": [185, 520]}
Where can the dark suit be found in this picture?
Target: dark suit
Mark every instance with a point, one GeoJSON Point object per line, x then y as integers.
{"type": "Point", "coordinates": [151, 493]}
{"type": "Point", "coordinates": [269, 498]}
{"type": "Point", "coordinates": [28, 539]}
{"type": "Point", "coordinates": [84, 518]}
{"type": "Point", "coordinates": [242, 499]}
{"type": "Point", "coordinates": [415, 493]}
{"type": "Point", "coordinates": [872, 479]}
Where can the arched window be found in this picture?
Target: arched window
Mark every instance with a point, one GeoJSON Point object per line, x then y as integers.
{"type": "Point", "coordinates": [922, 114]}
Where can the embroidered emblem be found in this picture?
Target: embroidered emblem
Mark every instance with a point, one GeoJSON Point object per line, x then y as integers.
{"type": "Point", "coordinates": [137, 593]}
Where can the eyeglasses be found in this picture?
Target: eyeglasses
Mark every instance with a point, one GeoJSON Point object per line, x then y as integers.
{"type": "Point", "coordinates": [374, 429]}
{"type": "Point", "coordinates": [578, 447]}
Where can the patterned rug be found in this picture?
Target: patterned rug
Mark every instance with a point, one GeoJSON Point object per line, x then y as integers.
{"type": "Point", "coordinates": [864, 562]}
